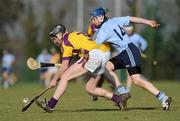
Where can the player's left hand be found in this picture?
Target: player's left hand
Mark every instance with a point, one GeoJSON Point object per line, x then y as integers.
{"type": "Point", "coordinates": [154, 24]}
{"type": "Point", "coordinates": [84, 59]}
{"type": "Point", "coordinates": [52, 83]}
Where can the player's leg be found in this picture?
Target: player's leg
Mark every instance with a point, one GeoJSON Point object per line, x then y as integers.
{"type": "Point", "coordinates": [135, 72]}
{"type": "Point", "coordinates": [72, 72]}
{"type": "Point", "coordinates": [5, 75]}
{"type": "Point", "coordinates": [73, 60]}
{"type": "Point", "coordinates": [75, 70]}
{"type": "Point", "coordinates": [50, 73]}
{"type": "Point", "coordinates": [128, 81]}
{"type": "Point", "coordinates": [140, 81]}
{"type": "Point", "coordinates": [12, 78]}
{"type": "Point", "coordinates": [91, 88]}
{"type": "Point", "coordinates": [46, 77]}
{"type": "Point", "coordinates": [111, 75]}
{"type": "Point", "coordinates": [99, 59]}
{"type": "Point", "coordinates": [99, 67]}
{"type": "Point", "coordinates": [103, 57]}
{"type": "Point", "coordinates": [41, 76]}
{"type": "Point", "coordinates": [99, 84]}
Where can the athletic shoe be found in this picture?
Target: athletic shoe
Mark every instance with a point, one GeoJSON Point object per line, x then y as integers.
{"type": "Point", "coordinates": [94, 98]}
{"type": "Point", "coordinates": [166, 104]}
{"type": "Point", "coordinates": [44, 105]}
{"type": "Point", "coordinates": [125, 97]}
{"type": "Point", "coordinates": [120, 103]}
{"type": "Point", "coordinates": [123, 101]}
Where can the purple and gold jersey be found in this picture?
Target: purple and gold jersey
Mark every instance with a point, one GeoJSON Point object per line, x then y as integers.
{"type": "Point", "coordinates": [76, 41]}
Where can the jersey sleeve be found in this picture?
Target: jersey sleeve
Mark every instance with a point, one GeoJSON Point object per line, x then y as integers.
{"type": "Point", "coordinates": [124, 21]}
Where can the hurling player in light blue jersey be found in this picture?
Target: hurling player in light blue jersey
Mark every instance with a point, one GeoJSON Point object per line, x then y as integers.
{"type": "Point", "coordinates": [129, 57]}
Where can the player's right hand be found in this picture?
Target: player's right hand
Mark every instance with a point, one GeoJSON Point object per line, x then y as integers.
{"type": "Point", "coordinates": [154, 24]}
{"type": "Point", "coordinates": [52, 83]}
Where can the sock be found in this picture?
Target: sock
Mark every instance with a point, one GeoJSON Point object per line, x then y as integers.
{"type": "Point", "coordinates": [121, 89]}
{"type": "Point", "coordinates": [161, 96]}
{"type": "Point", "coordinates": [115, 98]}
{"type": "Point", "coordinates": [52, 103]}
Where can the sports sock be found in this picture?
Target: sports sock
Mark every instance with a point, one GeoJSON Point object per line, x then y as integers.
{"type": "Point", "coordinates": [115, 98]}
{"type": "Point", "coordinates": [121, 89]}
{"type": "Point", "coordinates": [162, 96]}
{"type": "Point", "coordinates": [52, 103]}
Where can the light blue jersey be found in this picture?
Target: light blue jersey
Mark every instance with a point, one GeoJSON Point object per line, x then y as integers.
{"type": "Point", "coordinates": [139, 41]}
{"type": "Point", "coordinates": [112, 31]}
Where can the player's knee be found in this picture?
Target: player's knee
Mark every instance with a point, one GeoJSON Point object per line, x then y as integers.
{"type": "Point", "coordinates": [137, 80]}
{"type": "Point", "coordinates": [109, 66]}
{"type": "Point", "coordinates": [65, 76]}
{"type": "Point", "coordinates": [89, 89]}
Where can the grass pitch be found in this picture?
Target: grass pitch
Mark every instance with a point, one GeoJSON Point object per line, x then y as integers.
{"type": "Point", "coordinates": [76, 105]}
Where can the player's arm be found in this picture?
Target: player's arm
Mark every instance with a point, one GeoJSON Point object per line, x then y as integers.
{"type": "Point", "coordinates": [151, 23]}
{"type": "Point", "coordinates": [64, 66]}
{"type": "Point", "coordinates": [85, 56]}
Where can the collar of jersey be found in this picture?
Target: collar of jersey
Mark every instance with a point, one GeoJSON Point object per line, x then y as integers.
{"type": "Point", "coordinates": [65, 39]}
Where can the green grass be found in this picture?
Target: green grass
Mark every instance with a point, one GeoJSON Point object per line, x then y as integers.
{"type": "Point", "coordinates": [76, 105]}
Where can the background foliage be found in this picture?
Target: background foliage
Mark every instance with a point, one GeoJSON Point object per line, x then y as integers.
{"type": "Point", "coordinates": [25, 26]}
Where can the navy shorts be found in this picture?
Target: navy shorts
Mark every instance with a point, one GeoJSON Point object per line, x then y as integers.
{"type": "Point", "coordinates": [8, 70]}
{"type": "Point", "coordinates": [130, 59]}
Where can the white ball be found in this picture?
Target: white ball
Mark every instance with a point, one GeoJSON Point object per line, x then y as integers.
{"type": "Point", "coordinates": [25, 100]}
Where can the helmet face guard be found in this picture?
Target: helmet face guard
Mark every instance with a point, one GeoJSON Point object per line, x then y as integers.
{"type": "Point", "coordinates": [98, 13]}
{"type": "Point", "coordinates": [59, 28]}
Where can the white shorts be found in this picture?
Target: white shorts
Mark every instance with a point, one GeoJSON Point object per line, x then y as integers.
{"type": "Point", "coordinates": [97, 61]}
